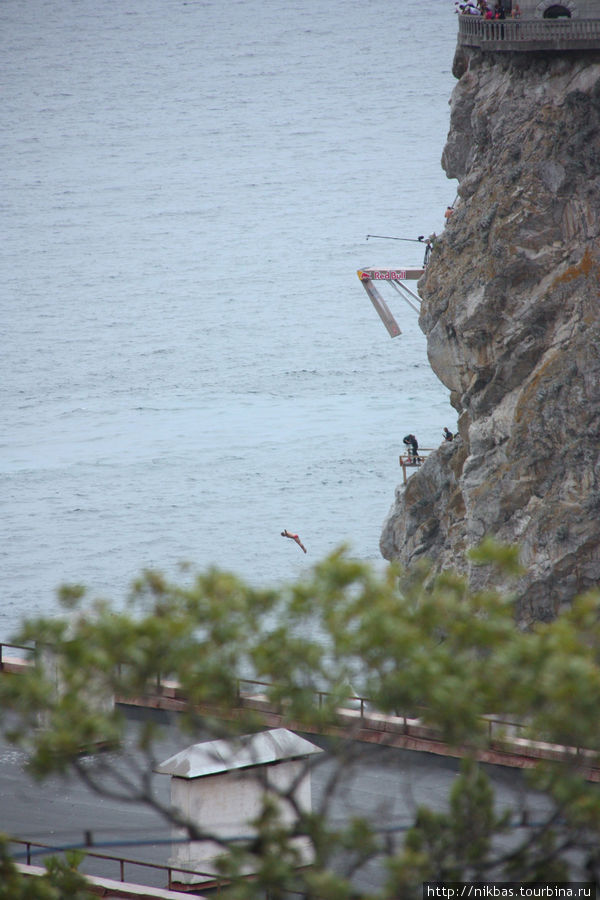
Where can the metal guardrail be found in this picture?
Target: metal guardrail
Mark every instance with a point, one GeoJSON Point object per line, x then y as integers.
{"type": "Point", "coordinates": [363, 705]}
{"type": "Point", "coordinates": [529, 34]}
{"type": "Point", "coordinates": [4, 646]}
{"type": "Point", "coordinates": [35, 849]}
{"type": "Point", "coordinates": [165, 687]}
{"type": "Point", "coordinates": [360, 703]}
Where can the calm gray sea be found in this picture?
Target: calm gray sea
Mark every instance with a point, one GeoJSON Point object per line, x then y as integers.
{"type": "Point", "coordinates": [189, 362]}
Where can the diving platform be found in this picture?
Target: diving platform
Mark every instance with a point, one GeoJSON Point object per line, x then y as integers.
{"type": "Point", "coordinates": [408, 461]}
{"type": "Point", "coordinates": [371, 278]}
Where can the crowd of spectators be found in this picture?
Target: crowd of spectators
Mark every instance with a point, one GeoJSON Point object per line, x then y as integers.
{"type": "Point", "coordinates": [500, 10]}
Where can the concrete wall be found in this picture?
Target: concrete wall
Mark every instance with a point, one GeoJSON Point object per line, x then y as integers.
{"type": "Point", "coordinates": [224, 804]}
{"type": "Point", "coordinates": [581, 9]}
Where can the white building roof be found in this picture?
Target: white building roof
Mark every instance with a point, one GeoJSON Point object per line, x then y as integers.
{"type": "Point", "coordinates": [212, 757]}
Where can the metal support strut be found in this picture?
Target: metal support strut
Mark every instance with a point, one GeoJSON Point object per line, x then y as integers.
{"type": "Point", "coordinates": [395, 277]}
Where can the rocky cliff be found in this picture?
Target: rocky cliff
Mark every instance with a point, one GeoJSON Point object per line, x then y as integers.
{"type": "Point", "coordinates": [511, 310]}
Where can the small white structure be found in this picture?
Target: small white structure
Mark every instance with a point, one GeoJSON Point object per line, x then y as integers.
{"type": "Point", "coordinates": [220, 787]}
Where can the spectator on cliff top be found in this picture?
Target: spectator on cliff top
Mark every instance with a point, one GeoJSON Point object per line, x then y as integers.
{"type": "Point", "coordinates": [448, 436]}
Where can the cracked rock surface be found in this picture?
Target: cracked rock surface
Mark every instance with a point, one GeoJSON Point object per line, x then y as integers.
{"type": "Point", "coordinates": [511, 310]}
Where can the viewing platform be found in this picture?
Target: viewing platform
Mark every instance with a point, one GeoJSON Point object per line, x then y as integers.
{"type": "Point", "coordinates": [527, 35]}
{"type": "Point", "coordinates": [408, 461]}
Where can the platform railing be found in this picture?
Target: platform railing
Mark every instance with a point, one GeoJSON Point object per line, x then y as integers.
{"type": "Point", "coordinates": [529, 34]}
{"type": "Point", "coordinates": [409, 461]}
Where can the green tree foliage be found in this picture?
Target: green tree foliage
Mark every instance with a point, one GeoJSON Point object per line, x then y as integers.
{"type": "Point", "coordinates": [415, 645]}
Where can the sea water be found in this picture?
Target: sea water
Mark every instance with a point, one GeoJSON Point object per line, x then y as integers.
{"type": "Point", "coordinates": [190, 363]}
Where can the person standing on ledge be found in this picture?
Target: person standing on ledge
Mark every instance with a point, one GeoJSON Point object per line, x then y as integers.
{"type": "Point", "coordinates": [448, 436]}
{"type": "Point", "coordinates": [413, 447]}
{"type": "Point", "coordinates": [430, 241]}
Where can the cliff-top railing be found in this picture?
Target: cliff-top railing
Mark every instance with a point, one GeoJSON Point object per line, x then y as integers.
{"type": "Point", "coordinates": [528, 34]}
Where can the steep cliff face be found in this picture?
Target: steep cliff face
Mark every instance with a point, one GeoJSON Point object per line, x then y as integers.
{"type": "Point", "coordinates": [512, 316]}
